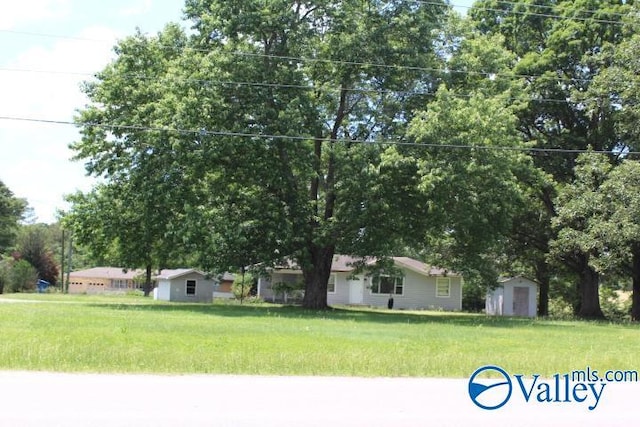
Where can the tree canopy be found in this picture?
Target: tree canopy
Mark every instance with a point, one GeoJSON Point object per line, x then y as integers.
{"type": "Point", "coordinates": [11, 210]}
{"type": "Point", "coordinates": [295, 129]}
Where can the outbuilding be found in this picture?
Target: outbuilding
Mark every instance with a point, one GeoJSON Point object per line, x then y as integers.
{"type": "Point", "coordinates": [184, 285]}
{"type": "Point", "coordinates": [515, 296]}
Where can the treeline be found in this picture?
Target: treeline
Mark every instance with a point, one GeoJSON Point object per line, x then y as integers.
{"type": "Point", "coordinates": [503, 142]}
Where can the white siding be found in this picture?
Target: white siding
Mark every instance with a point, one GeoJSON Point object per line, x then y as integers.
{"type": "Point", "coordinates": [204, 288]}
{"type": "Point", "coordinates": [163, 292]}
{"type": "Point", "coordinates": [500, 300]}
{"type": "Point", "coordinates": [224, 295]}
{"type": "Point", "coordinates": [494, 302]}
{"type": "Point", "coordinates": [341, 296]}
{"type": "Point", "coordinates": [419, 293]}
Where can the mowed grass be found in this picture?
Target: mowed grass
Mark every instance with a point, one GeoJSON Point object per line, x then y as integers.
{"type": "Point", "coordinates": [135, 335]}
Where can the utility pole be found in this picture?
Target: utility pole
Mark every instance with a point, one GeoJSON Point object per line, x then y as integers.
{"type": "Point", "coordinates": [69, 253]}
{"type": "Point", "coordinates": [62, 264]}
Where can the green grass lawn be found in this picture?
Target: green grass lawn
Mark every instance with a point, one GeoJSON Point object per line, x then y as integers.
{"type": "Point", "coordinates": [132, 334]}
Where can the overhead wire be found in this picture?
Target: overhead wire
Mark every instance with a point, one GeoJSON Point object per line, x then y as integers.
{"type": "Point", "coordinates": [316, 88]}
{"type": "Point", "coordinates": [338, 62]}
{"type": "Point", "coordinates": [529, 13]}
{"type": "Point", "coordinates": [207, 132]}
{"type": "Point", "coordinates": [373, 64]}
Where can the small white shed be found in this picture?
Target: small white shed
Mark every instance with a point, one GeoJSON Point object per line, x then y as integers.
{"type": "Point", "coordinates": [515, 296]}
{"type": "Point", "coordinates": [184, 285]}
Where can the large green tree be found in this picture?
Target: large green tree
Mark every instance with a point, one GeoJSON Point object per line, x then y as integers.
{"type": "Point", "coordinates": [122, 227]}
{"type": "Point", "coordinates": [11, 211]}
{"type": "Point", "coordinates": [132, 219]}
{"type": "Point", "coordinates": [617, 227]}
{"type": "Point", "coordinates": [558, 44]}
{"type": "Point", "coordinates": [276, 108]}
{"type": "Point", "coordinates": [35, 246]}
{"type": "Point", "coordinates": [577, 207]}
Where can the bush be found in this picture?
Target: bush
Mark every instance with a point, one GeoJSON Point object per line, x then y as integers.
{"type": "Point", "coordinates": [474, 295]}
{"type": "Point", "coordinates": [560, 309]}
{"type": "Point", "coordinates": [294, 290]}
{"type": "Point", "coordinates": [240, 290]}
{"type": "Point", "coordinates": [22, 277]}
{"type": "Point", "coordinates": [5, 267]}
{"type": "Point", "coordinates": [616, 305]}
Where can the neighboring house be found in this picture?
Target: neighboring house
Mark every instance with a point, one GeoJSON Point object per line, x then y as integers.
{"type": "Point", "coordinates": [119, 280]}
{"type": "Point", "coordinates": [105, 280]}
{"type": "Point", "coordinates": [184, 285]}
{"type": "Point", "coordinates": [418, 286]}
{"type": "Point", "coordinates": [224, 286]}
{"type": "Point", "coordinates": [515, 296]}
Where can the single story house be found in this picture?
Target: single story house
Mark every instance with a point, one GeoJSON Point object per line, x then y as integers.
{"type": "Point", "coordinates": [413, 285]}
{"type": "Point", "coordinates": [184, 285]}
{"type": "Point", "coordinates": [515, 296]}
{"type": "Point", "coordinates": [99, 280]}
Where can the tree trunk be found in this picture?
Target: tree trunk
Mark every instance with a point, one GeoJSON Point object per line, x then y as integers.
{"type": "Point", "coordinates": [589, 295]}
{"type": "Point", "coordinates": [635, 300]}
{"type": "Point", "coordinates": [147, 281]}
{"type": "Point", "coordinates": [635, 276]}
{"type": "Point", "coordinates": [543, 279]}
{"type": "Point", "coordinates": [316, 271]}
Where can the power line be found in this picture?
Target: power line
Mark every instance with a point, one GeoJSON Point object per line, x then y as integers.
{"type": "Point", "coordinates": [365, 65]}
{"type": "Point", "coordinates": [205, 132]}
{"type": "Point", "coordinates": [318, 88]}
{"type": "Point", "coordinates": [542, 6]}
{"type": "Point", "coordinates": [542, 15]}
{"type": "Point", "coordinates": [309, 87]}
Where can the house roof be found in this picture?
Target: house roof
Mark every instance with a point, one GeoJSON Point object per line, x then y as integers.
{"type": "Point", "coordinates": [502, 280]}
{"type": "Point", "coordinates": [228, 277]}
{"type": "Point", "coordinates": [347, 263]}
{"type": "Point", "coordinates": [106, 273]}
{"type": "Point", "coordinates": [169, 274]}
{"type": "Point", "coordinates": [119, 273]}
{"type": "Point", "coordinates": [422, 268]}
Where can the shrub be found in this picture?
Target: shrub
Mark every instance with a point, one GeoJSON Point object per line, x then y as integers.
{"type": "Point", "coordinates": [22, 277]}
{"type": "Point", "coordinates": [242, 290]}
{"type": "Point", "coordinates": [288, 290]}
{"type": "Point", "coordinates": [560, 309]}
{"type": "Point", "coordinates": [5, 267]}
{"type": "Point", "coordinates": [616, 305]}
{"type": "Point", "coordinates": [473, 296]}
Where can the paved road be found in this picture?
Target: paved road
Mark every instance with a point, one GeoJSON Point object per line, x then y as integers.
{"type": "Point", "coordinates": [70, 400]}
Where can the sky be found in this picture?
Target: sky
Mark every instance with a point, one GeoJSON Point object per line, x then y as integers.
{"type": "Point", "coordinates": [48, 48]}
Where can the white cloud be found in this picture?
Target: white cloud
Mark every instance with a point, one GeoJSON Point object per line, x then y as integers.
{"type": "Point", "coordinates": [14, 14]}
{"type": "Point", "coordinates": [140, 8]}
{"type": "Point", "coordinates": [45, 84]}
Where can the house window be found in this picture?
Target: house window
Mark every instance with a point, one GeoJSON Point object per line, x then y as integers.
{"type": "Point", "coordinates": [443, 287]}
{"type": "Point", "coordinates": [331, 285]}
{"type": "Point", "coordinates": [387, 285]}
{"type": "Point", "coordinates": [191, 287]}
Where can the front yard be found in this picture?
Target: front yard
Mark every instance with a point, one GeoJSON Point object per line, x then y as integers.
{"type": "Point", "coordinates": [133, 334]}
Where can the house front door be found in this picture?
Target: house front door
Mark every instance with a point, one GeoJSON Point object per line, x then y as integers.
{"type": "Point", "coordinates": [356, 291]}
{"type": "Point", "coordinates": [520, 301]}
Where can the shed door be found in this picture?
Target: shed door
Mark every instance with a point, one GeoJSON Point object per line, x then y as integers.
{"type": "Point", "coordinates": [520, 301]}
